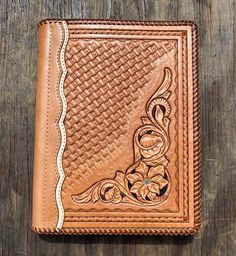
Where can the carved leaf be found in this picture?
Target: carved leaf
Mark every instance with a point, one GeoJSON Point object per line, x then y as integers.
{"type": "Point", "coordinates": [166, 82]}
{"type": "Point", "coordinates": [95, 194]}
{"type": "Point", "coordinates": [166, 95]}
{"type": "Point", "coordinates": [159, 161]}
{"type": "Point", "coordinates": [145, 120]}
{"type": "Point", "coordinates": [159, 115]}
{"type": "Point", "coordinates": [154, 188]}
{"type": "Point", "coordinates": [143, 191]}
{"type": "Point", "coordinates": [142, 169]}
{"type": "Point", "coordinates": [164, 85]}
{"type": "Point", "coordinates": [82, 198]}
{"type": "Point", "coordinates": [136, 187]}
{"type": "Point", "coordinates": [120, 176]}
{"type": "Point", "coordinates": [160, 181]}
{"type": "Point", "coordinates": [117, 199]}
{"type": "Point", "coordinates": [152, 196]}
{"type": "Point", "coordinates": [158, 170]}
{"type": "Point", "coordinates": [109, 194]}
{"type": "Point", "coordinates": [134, 177]}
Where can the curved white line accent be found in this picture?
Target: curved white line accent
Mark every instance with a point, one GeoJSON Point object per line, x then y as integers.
{"type": "Point", "coordinates": [62, 130]}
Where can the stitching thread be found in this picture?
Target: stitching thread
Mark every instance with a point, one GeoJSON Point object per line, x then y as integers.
{"type": "Point", "coordinates": [63, 132]}
{"type": "Point", "coordinates": [117, 231]}
{"type": "Point", "coordinates": [185, 139]}
{"type": "Point", "coordinates": [58, 116]}
{"type": "Point", "coordinates": [47, 117]}
{"type": "Point", "coordinates": [185, 128]}
{"type": "Point", "coordinates": [174, 92]}
{"type": "Point", "coordinates": [196, 131]}
{"type": "Point", "coordinates": [120, 219]}
{"type": "Point", "coordinates": [120, 22]}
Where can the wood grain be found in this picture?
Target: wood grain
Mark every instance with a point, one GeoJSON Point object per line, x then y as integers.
{"type": "Point", "coordinates": [216, 20]}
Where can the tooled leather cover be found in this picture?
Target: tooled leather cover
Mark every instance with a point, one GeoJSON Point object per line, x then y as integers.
{"type": "Point", "coordinates": [117, 147]}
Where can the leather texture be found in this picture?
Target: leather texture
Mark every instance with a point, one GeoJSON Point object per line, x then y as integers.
{"type": "Point", "coordinates": [117, 141]}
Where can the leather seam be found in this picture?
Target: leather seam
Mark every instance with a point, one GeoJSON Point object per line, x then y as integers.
{"type": "Point", "coordinates": [47, 119]}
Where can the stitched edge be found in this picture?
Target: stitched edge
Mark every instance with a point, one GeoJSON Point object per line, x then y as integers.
{"type": "Point", "coordinates": [161, 219]}
{"type": "Point", "coordinates": [47, 117]}
{"type": "Point", "coordinates": [176, 126]}
{"type": "Point", "coordinates": [196, 119]}
{"type": "Point", "coordinates": [62, 131]}
{"type": "Point", "coordinates": [190, 23]}
{"type": "Point", "coordinates": [118, 219]}
{"type": "Point", "coordinates": [196, 129]}
{"type": "Point", "coordinates": [120, 22]}
{"type": "Point", "coordinates": [116, 231]}
{"type": "Point", "coordinates": [58, 117]}
{"type": "Point", "coordinates": [185, 129]}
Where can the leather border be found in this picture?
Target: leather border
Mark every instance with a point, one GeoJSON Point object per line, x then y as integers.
{"type": "Point", "coordinates": [178, 216]}
{"type": "Point", "coordinates": [116, 231]}
{"type": "Point", "coordinates": [196, 128]}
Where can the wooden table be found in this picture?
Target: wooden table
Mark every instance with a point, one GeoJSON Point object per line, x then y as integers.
{"type": "Point", "coordinates": [217, 23]}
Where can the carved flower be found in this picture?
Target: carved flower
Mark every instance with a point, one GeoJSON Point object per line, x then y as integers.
{"type": "Point", "coordinates": [147, 181]}
{"type": "Point", "coordinates": [151, 141]}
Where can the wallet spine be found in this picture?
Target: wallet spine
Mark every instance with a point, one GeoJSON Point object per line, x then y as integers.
{"type": "Point", "coordinates": [40, 111]}
{"type": "Point", "coordinates": [47, 133]}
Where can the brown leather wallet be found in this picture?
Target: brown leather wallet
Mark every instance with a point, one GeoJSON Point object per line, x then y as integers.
{"type": "Point", "coordinates": [117, 147]}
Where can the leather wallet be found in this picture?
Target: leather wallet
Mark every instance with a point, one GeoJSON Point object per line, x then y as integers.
{"type": "Point", "coordinates": [117, 142]}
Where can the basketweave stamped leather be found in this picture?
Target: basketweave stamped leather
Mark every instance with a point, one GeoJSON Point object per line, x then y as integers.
{"type": "Point", "coordinates": [117, 142]}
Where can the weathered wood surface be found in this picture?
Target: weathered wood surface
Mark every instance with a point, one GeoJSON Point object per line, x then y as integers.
{"type": "Point", "coordinates": [217, 23]}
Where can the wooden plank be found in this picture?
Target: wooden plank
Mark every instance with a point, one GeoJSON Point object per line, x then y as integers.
{"type": "Point", "coordinates": [18, 51]}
